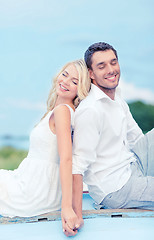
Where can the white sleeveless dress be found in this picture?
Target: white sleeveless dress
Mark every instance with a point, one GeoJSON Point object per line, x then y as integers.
{"type": "Point", "coordinates": [34, 187]}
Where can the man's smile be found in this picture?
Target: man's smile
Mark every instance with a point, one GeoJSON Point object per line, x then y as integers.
{"type": "Point", "coordinates": [111, 77]}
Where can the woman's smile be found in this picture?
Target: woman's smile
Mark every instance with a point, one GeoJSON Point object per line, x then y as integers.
{"type": "Point", "coordinates": [63, 88]}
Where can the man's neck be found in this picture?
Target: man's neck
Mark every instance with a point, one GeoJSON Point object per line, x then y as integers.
{"type": "Point", "coordinates": [109, 92]}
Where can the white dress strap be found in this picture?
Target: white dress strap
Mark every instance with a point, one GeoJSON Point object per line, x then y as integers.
{"type": "Point", "coordinates": [71, 112]}
{"type": "Point", "coordinates": [68, 107]}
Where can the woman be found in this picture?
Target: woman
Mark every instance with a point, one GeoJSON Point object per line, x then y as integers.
{"type": "Point", "coordinates": [34, 187]}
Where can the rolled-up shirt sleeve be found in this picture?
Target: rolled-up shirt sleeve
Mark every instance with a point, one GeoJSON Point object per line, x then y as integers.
{"type": "Point", "coordinates": [134, 132]}
{"type": "Point", "coordinates": [85, 139]}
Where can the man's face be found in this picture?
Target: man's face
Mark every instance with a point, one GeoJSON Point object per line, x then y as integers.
{"type": "Point", "coordinates": [105, 71]}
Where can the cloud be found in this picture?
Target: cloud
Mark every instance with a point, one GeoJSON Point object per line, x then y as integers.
{"type": "Point", "coordinates": [25, 104]}
{"type": "Point", "coordinates": [130, 92]}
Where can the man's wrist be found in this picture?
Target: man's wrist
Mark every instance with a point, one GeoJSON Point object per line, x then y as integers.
{"type": "Point", "coordinates": [78, 212]}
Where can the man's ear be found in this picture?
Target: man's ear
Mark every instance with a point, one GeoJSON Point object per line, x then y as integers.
{"type": "Point", "coordinates": [91, 75]}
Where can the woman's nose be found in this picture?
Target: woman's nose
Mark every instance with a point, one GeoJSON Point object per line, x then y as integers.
{"type": "Point", "coordinates": [66, 80]}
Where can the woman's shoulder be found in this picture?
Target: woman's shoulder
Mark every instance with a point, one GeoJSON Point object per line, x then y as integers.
{"type": "Point", "coordinates": [64, 111]}
{"type": "Point", "coordinates": [63, 108]}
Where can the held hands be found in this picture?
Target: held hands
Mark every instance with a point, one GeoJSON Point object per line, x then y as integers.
{"type": "Point", "coordinates": [70, 222]}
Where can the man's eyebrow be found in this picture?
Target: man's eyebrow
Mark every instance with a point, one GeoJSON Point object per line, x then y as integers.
{"type": "Point", "coordinates": [114, 59]}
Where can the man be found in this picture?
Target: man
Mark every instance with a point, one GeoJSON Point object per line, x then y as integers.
{"type": "Point", "coordinates": [105, 136]}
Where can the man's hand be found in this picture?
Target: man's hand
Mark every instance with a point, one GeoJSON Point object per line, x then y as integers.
{"type": "Point", "coordinates": [70, 222]}
{"type": "Point", "coordinates": [81, 223]}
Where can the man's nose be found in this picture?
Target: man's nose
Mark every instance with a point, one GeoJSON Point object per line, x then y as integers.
{"type": "Point", "coordinates": [110, 69]}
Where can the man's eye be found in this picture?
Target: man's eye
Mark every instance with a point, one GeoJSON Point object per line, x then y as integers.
{"type": "Point", "coordinates": [64, 74]}
{"type": "Point", "coordinates": [101, 67]}
{"type": "Point", "coordinates": [114, 62]}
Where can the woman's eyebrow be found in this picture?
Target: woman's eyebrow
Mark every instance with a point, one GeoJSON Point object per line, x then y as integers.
{"type": "Point", "coordinates": [75, 78]}
{"type": "Point", "coordinates": [66, 72]}
{"type": "Point", "coordinates": [72, 77]}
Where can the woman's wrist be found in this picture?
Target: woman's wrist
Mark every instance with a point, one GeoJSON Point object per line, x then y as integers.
{"type": "Point", "coordinates": [66, 206]}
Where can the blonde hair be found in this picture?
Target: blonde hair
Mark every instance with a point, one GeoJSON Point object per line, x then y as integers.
{"type": "Point", "coordinates": [83, 85]}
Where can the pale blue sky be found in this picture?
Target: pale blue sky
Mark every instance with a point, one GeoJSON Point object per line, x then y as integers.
{"type": "Point", "coordinates": [38, 36]}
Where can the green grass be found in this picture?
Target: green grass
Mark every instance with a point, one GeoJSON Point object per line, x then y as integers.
{"type": "Point", "coordinates": [10, 158]}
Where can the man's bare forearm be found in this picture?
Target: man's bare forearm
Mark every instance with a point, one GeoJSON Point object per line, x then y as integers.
{"type": "Point", "coordinates": [77, 194]}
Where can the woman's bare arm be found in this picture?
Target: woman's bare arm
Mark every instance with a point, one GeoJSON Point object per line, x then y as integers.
{"type": "Point", "coordinates": [62, 119]}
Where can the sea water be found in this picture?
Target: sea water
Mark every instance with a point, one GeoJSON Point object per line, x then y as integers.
{"type": "Point", "coordinates": [20, 142]}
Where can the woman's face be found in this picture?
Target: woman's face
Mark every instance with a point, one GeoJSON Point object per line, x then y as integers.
{"type": "Point", "coordinates": [67, 83]}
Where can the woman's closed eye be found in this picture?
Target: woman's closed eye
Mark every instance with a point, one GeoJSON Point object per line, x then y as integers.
{"type": "Point", "coordinates": [64, 74]}
{"type": "Point", "coordinates": [75, 82]}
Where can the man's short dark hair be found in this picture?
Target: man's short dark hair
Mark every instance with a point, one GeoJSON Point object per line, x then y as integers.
{"type": "Point", "coordinates": [100, 46]}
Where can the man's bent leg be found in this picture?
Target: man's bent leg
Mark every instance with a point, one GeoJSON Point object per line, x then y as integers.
{"type": "Point", "coordinates": [138, 192]}
{"type": "Point", "coordinates": [144, 150]}
{"type": "Point", "coordinates": [150, 137]}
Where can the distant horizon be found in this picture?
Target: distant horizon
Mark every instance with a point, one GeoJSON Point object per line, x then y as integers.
{"type": "Point", "coordinates": [24, 137]}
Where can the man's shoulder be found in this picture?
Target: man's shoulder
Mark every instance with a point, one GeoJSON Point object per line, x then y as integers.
{"type": "Point", "coordinates": [123, 103]}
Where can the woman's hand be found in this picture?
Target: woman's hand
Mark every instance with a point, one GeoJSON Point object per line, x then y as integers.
{"type": "Point", "coordinates": [70, 222]}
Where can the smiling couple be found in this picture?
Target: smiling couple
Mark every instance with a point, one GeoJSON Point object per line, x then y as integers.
{"type": "Point", "coordinates": [110, 152]}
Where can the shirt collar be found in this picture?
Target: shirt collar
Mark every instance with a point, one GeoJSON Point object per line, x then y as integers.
{"type": "Point", "coordinates": [99, 94]}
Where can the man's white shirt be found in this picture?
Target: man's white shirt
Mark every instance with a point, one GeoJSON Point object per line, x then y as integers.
{"type": "Point", "coordinates": [104, 134]}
